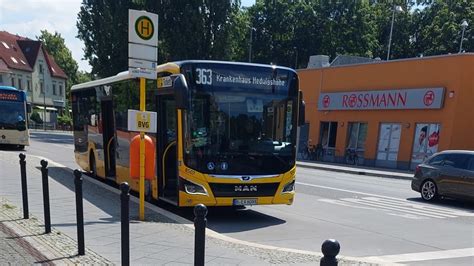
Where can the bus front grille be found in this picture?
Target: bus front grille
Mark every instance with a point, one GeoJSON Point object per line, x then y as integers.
{"type": "Point", "coordinates": [244, 190]}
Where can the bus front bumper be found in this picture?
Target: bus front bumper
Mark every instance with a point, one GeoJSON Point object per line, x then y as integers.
{"type": "Point", "coordinates": [14, 137]}
{"type": "Point", "coordinates": [192, 200]}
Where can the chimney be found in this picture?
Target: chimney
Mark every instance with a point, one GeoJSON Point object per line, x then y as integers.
{"type": "Point", "coordinates": [318, 61]}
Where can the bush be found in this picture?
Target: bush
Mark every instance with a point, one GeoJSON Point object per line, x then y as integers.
{"type": "Point", "coordinates": [35, 117]}
{"type": "Point", "coordinates": [64, 120]}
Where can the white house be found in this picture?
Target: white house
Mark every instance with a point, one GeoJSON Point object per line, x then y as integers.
{"type": "Point", "coordinates": [25, 64]}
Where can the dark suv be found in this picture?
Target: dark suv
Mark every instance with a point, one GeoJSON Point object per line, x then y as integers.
{"type": "Point", "coordinates": [448, 173]}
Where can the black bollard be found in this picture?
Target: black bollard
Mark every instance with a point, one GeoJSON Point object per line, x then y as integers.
{"type": "Point", "coordinates": [124, 216]}
{"type": "Point", "coordinates": [24, 187]}
{"type": "Point", "coordinates": [330, 249]}
{"type": "Point", "coordinates": [200, 222]}
{"type": "Point", "coordinates": [47, 215]}
{"type": "Point", "coordinates": [79, 212]}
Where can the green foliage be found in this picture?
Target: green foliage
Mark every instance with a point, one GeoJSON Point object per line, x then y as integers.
{"type": "Point", "coordinates": [286, 32]}
{"type": "Point", "coordinates": [55, 45]}
{"type": "Point", "coordinates": [65, 120]}
{"type": "Point", "coordinates": [35, 117]}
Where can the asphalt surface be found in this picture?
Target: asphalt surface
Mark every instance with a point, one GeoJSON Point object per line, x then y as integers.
{"type": "Point", "coordinates": [369, 216]}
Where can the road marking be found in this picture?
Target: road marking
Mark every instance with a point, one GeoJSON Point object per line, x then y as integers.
{"type": "Point", "coordinates": [422, 256]}
{"type": "Point", "coordinates": [394, 206]}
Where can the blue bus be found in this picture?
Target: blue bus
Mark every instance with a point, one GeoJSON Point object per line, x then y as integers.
{"type": "Point", "coordinates": [13, 122]}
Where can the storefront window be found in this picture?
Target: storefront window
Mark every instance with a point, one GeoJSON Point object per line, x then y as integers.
{"type": "Point", "coordinates": [357, 133]}
{"type": "Point", "coordinates": [327, 140]}
{"type": "Point", "coordinates": [425, 143]}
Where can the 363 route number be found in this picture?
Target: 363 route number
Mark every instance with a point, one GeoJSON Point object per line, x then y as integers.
{"type": "Point", "coordinates": [204, 76]}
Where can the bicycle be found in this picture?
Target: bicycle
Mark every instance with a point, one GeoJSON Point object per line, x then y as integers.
{"type": "Point", "coordinates": [351, 156]}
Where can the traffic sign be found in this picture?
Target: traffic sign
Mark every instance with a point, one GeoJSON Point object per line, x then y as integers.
{"type": "Point", "coordinates": [142, 27]}
{"type": "Point", "coordinates": [142, 73]}
{"type": "Point", "coordinates": [144, 52]}
{"type": "Point", "coordinates": [140, 63]}
{"type": "Point", "coordinates": [141, 121]}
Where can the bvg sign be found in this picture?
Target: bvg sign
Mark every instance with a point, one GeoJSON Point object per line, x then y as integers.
{"type": "Point", "coordinates": [142, 121]}
{"type": "Point", "coordinates": [429, 98]}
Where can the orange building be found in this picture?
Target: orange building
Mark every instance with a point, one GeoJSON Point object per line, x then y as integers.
{"type": "Point", "coordinates": [392, 113]}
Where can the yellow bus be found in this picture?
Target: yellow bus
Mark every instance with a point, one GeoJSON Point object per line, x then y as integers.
{"type": "Point", "coordinates": [226, 132]}
{"type": "Point", "coordinates": [13, 122]}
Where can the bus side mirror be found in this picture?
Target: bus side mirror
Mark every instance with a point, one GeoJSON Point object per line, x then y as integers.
{"type": "Point", "coordinates": [301, 110]}
{"type": "Point", "coordinates": [28, 107]}
{"type": "Point", "coordinates": [181, 91]}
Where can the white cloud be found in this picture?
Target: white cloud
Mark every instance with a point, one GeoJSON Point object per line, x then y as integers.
{"type": "Point", "coordinates": [28, 17]}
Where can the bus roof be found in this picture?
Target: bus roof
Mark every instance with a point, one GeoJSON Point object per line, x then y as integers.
{"type": "Point", "coordinates": [172, 67]}
{"type": "Point", "coordinates": [8, 88]}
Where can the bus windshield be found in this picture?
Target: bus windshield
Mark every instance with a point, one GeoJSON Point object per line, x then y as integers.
{"type": "Point", "coordinates": [242, 121]}
{"type": "Point", "coordinates": [13, 114]}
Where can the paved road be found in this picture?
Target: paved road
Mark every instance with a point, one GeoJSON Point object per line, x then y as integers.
{"type": "Point", "coordinates": [370, 216]}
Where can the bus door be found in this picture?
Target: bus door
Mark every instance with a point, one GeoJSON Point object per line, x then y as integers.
{"type": "Point", "coordinates": [108, 135]}
{"type": "Point", "coordinates": [166, 146]}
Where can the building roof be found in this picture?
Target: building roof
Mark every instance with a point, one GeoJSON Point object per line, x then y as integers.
{"type": "Point", "coordinates": [20, 53]}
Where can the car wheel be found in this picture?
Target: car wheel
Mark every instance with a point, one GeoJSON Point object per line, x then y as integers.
{"type": "Point", "coordinates": [429, 190]}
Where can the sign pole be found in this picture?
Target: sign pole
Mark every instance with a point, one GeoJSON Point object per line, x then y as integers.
{"type": "Point", "coordinates": [142, 154]}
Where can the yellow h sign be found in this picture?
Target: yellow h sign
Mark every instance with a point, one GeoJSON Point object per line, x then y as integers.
{"type": "Point", "coordinates": [144, 27]}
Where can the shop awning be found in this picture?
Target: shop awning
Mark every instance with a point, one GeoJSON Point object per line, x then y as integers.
{"type": "Point", "coordinates": [47, 108]}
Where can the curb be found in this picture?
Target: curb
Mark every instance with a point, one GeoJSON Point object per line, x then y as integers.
{"type": "Point", "coordinates": [355, 171]}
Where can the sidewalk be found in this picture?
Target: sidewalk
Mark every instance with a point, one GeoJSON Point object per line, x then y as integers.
{"type": "Point", "coordinates": [356, 170]}
{"type": "Point", "coordinates": [164, 238]}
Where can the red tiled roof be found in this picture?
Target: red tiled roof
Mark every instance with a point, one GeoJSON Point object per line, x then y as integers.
{"type": "Point", "coordinates": [13, 52]}
{"type": "Point", "coordinates": [3, 67]}
{"type": "Point", "coordinates": [54, 69]}
{"type": "Point", "coordinates": [25, 52]}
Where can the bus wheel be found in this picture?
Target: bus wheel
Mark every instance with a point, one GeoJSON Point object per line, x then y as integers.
{"type": "Point", "coordinates": [92, 165]}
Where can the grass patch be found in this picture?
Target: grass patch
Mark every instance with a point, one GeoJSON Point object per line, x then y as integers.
{"type": "Point", "coordinates": [8, 206]}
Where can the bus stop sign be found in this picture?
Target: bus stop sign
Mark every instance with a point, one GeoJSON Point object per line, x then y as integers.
{"type": "Point", "coordinates": [142, 121]}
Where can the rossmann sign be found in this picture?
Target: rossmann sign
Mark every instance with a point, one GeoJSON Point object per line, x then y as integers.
{"type": "Point", "coordinates": [426, 98]}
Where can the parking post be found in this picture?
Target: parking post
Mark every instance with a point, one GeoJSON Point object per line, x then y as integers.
{"type": "Point", "coordinates": [47, 215]}
{"type": "Point", "coordinates": [124, 216]}
{"type": "Point", "coordinates": [24, 187]}
{"type": "Point", "coordinates": [330, 249]}
{"type": "Point", "coordinates": [79, 212]}
{"type": "Point", "coordinates": [200, 222]}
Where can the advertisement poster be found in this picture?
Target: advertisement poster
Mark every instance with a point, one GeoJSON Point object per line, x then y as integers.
{"type": "Point", "coordinates": [426, 141]}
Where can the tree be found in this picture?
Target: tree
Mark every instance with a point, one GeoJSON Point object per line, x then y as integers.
{"type": "Point", "coordinates": [438, 28]}
{"type": "Point", "coordinates": [55, 45]}
{"type": "Point", "coordinates": [187, 30]}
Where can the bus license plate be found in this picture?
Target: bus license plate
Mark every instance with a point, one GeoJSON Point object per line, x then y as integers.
{"type": "Point", "coordinates": [240, 202]}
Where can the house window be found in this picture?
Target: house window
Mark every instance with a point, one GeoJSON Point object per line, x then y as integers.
{"type": "Point", "coordinates": [1, 79]}
{"type": "Point", "coordinates": [13, 82]}
{"type": "Point", "coordinates": [41, 87]}
{"type": "Point", "coordinates": [54, 89]}
{"type": "Point", "coordinates": [19, 84]}
{"type": "Point", "coordinates": [61, 90]}
{"type": "Point", "coordinates": [41, 68]}
{"type": "Point", "coordinates": [28, 85]}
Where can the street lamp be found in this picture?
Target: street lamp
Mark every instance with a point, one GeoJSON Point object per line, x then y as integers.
{"type": "Point", "coordinates": [397, 9]}
{"type": "Point", "coordinates": [296, 56]}
{"type": "Point", "coordinates": [252, 29]}
{"type": "Point", "coordinates": [463, 26]}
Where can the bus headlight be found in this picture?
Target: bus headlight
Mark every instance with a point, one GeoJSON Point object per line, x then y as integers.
{"type": "Point", "coordinates": [194, 189]}
{"type": "Point", "coordinates": [290, 187]}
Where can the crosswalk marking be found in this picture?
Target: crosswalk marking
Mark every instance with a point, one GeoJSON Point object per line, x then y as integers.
{"type": "Point", "coordinates": [400, 207]}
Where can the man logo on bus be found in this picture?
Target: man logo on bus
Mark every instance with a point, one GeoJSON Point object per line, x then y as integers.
{"type": "Point", "coordinates": [144, 27]}
{"type": "Point", "coordinates": [429, 98]}
{"type": "Point", "coordinates": [326, 101]}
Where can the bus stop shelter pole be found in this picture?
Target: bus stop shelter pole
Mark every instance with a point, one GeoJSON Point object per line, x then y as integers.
{"type": "Point", "coordinates": [142, 154]}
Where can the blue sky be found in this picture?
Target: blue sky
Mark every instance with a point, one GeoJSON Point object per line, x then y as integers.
{"type": "Point", "coordinates": [28, 17]}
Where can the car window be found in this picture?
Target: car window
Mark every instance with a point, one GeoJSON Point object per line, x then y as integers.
{"type": "Point", "coordinates": [456, 160]}
{"type": "Point", "coordinates": [437, 160]}
{"type": "Point", "coordinates": [470, 163]}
